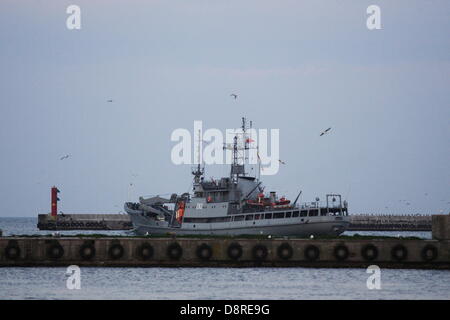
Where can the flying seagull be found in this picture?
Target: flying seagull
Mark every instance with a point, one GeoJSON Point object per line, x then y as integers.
{"type": "Point", "coordinates": [65, 157]}
{"type": "Point", "coordinates": [110, 100]}
{"type": "Point", "coordinates": [326, 131]}
{"type": "Point", "coordinates": [234, 96]}
{"type": "Point", "coordinates": [282, 162]}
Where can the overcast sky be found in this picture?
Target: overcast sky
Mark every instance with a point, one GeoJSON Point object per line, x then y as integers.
{"type": "Point", "coordinates": [299, 66]}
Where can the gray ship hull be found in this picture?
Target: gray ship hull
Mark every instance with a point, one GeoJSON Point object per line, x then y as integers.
{"type": "Point", "coordinates": [316, 226]}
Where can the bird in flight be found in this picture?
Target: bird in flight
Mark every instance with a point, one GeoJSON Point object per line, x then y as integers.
{"type": "Point", "coordinates": [64, 157]}
{"type": "Point", "coordinates": [234, 96]}
{"type": "Point", "coordinates": [324, 132]}
{"type": "Point", "coordinates": [110, 100]}
{"type": "Point", "coordinates": [282, 162]}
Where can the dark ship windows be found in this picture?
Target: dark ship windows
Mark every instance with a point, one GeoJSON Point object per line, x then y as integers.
{"type": "Point", "coordinates": [249, 217]}
{"type": "Point", "coordinates": [220, 219]}
{"type": "Point", "coordinates": [268, 216]}
{"type": "Point", "coordinates": [303, 213]}
{"type": "Point", "coordinates": [295, 214]}
{"type": "Point", "coordinates": [288, 214]}
{"type": "Point", "coordinates": [257, 217]}
{"type": "Point", "coordinates": [336, 212]}
{"type": "Point", "coordinates": [313, 212]}
{"type": "Point", "coordinates": [239, 218]}
{"type": "Point", "coordinates": [323, 211]}
{"type": "Point", "coordinates": [207, 220]}
{"type": "Point", "coordinates": [278, 215]}
{"type": "Point", "coordinates": [195, 220]}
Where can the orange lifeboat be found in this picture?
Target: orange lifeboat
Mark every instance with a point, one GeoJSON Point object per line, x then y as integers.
{"type": "Point", "coordinates": [180, 211]}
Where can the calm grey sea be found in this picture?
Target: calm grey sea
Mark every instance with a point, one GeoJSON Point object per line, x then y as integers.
{"type": "Point", "coordinates": [215, 283]}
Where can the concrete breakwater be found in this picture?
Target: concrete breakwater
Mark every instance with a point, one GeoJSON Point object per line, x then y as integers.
{"type": "Point", "coordinates": [384, 222]}
{"type": "Point", "coordinates": [224, 252]}
{"type": "Point", "coordinates": [84, 222]}
{"type": "Point", "coordinates": [358, 222]}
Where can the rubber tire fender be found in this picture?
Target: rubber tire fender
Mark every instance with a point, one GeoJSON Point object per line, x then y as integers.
{"type": "Point", "coordinates": [340, 252]}
{"type": "Point", "coordinates": [259, 252]}
{"type": "Point", "coordinates": [234, 251]}
{"type": "Point", "coordinates": [55, 251]}
{"type": "Point", "coordinates": [426, 249]}
{"type": "Point", "coordinates": [174, 251]}
{"type": "Point", "coordinates": [369, 248]}
{"type": "Point", "coordinates": [116, 251]}
{"type": "Point", "coordinates": [145, 251]}
{"type": "Point", "coordinates": [285, 251]}
{"type": "Point", "coordinates": [399, 248]}
{"type": "Point", "coordinates": [312, 253]}
{"type": "Point", "coordinates": [202, 249]}
{"type": "Point", "coordinates": [12, 252]}
{"type": "Point", "coordinates": [87, 251]}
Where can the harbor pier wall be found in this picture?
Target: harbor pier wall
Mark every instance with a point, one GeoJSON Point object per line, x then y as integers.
{"type": "Point", "coordinates": [341, 252]}
{"type": "Point", "coordinates": [224, 252]}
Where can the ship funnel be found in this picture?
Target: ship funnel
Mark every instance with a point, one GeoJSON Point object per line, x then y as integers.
{"type": "Point", "coordinates": [273, 196]}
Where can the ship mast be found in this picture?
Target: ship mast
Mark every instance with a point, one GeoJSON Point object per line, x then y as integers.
{"type": "Point", "coordinates": [240, 152]}
{"type": "Point", "coordinates": [200, 169]}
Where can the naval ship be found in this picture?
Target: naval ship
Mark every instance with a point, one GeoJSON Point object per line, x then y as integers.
{"type": "Point", "coordinates": [236, 205]}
